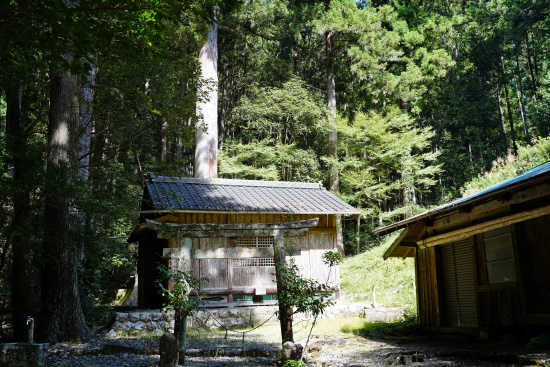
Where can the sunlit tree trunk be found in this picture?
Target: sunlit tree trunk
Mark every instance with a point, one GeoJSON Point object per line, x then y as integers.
{"type": "Point", "coordinates": [206, 137]}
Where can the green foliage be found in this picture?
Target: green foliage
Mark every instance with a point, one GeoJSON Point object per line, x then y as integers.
{"type": "Point", "coordinates": [510, 166]}
{"type": "Point", "coordinates": [388, 157]}
{"type": "Point", "coordinates": [305, 295]}
{"type": "Point", "coordinates": [393, 278]}
{"type": "Point", "coordinates": [291, 363]}
{"type": "Point", "coordinates": [331, 258]}
{"type": "Point", "coordinates": [280, 128]}
{"type": "Point", "coordinates": [179, 296]}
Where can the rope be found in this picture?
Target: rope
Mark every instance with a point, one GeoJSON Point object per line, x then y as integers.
{"type": "Point", "coordinates": [227, 329]}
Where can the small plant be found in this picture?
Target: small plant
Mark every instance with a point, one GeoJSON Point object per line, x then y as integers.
{"type": "Point", "coordinates": [291, 363]}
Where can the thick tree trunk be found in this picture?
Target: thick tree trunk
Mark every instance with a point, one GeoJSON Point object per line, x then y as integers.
{"type": "Point", "coordinates": [62, 318]}
{"type": "Point", "coordinates": [334, 182]}
{"type": "Point", "coordinates": [21, 299]}
{"type": "Point", "coordinates": [206, 136]}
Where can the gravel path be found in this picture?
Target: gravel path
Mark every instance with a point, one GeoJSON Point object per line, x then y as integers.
{"type": "Point", "coordinates": [326, 350]}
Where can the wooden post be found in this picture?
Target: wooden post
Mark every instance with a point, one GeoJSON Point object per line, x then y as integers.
{"type": "Point", "coordinates": [179, 259]}
{"type": "Point", "coordinates": [285, 313]}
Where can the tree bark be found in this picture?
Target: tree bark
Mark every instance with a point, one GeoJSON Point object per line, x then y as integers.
{"type": "Point", "coordinates": [21, 300]}
{"type": "Point", "coordinates": [62, 318]}
{"type": "Point", "coordinates": [206, 136]}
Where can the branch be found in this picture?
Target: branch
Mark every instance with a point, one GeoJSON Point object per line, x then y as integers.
{"type": "Point", "coordinates": [235, 33]}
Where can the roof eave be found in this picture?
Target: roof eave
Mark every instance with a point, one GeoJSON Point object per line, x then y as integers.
{"type": "Point", "coordinates": [463, 203]}
{"type": "Point", "coordinates": [350, 213]}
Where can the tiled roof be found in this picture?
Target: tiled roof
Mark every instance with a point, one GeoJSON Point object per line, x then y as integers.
{"type": "Point", "coordinates": [199, 194]}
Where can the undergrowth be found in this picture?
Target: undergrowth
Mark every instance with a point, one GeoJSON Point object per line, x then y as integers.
{"type": "Point", "coordinates": [393, 279]}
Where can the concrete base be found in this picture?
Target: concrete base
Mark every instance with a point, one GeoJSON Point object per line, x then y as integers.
{"type": "Point", "coordinates": [23, 355]}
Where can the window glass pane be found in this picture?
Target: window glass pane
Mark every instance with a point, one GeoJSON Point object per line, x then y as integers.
{"type": "Point", "coordinates": [498, 248]}
{"type": "Point", "coordinates": [496, 232]}
{"type": "Point", "coordinates": [501, 271]}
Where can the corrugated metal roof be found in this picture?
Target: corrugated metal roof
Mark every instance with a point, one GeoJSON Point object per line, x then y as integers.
{"type": "Point", "coordinates": [478, 196]}
{"type": "Point", "coordinates": [199, 194]}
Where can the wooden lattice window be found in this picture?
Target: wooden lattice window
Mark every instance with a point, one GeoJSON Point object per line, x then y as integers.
{"type": "Point", "coordinates": [257, 242]}
{"type": "Point", "coordinates": [252, 262]}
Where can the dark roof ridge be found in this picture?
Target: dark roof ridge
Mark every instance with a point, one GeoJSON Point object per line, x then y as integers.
{"type": "Point", "coordinates": [232, 182]}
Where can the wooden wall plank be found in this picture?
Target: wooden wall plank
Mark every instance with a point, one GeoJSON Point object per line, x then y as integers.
{"type": "Point", "coordinates": [216, 271]}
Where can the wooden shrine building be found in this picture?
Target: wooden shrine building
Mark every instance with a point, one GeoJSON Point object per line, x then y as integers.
{"type": "Point", "coordinates": [482, 261]}
{"type": "Point", "coordinates": [225, 230]}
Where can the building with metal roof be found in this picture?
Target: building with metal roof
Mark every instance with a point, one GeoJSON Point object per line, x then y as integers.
{"type": "Point", "coordinates": [482, 260]}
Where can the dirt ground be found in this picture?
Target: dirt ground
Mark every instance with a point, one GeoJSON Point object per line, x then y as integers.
{"type": "Point", "coordinates": [261, 348]}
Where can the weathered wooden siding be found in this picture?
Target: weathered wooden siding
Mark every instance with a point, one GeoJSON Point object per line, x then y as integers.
{"type": "Point", "coordinates": [428, 294]}
{"type": "Point", "coordinates": [230, 278]}
{"type": "Point", "coordinates": [533, 238]}
{"type": "Point", "coordinates": [319, 243]}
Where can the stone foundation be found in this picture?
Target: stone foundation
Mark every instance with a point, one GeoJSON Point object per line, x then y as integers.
{"type": "Point", "coordinates": [157, 322]}
{"type": "Point", "coordinates": [23, 355]}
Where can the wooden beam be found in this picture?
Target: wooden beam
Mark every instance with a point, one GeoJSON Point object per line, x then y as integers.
{"type": "Point", "coordinates": [505, 200]}
{"type": "Point", "coordinates": [232, 253]}
{"type": "Point", "coordinates": [287, 229]}
{"type": "Point", "coordinates": [469, 231]}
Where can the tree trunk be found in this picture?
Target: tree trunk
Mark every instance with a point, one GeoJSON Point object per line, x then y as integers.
{"type": "Point", "coordinates": [285, 313]}
{"type": "Point", "coordinates": [163, 143]}
{"type": "Point", "coordinates": [334, 184]}
{"type": "Point", "coordinates": [501, 113]}
{"type": "Point", "coordinates": [84, 142]}
{"type": "Point", "coordinates": [533, 80]}
{"type": "Point", "coordinates": [62, 318]}
{"type": "Point", "coordinates": [510, 118]}
{"type": "Point", "coordinates": [521, 104]}
{"type": "Point", "coordinates": [21, 299]}
{"type": "Point", "coordinates": [206, 136]}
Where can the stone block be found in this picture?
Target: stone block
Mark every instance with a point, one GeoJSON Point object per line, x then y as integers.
{"type": "Point", "coordinates": [23, 354]}
{"type": "Point", "coordinates": [140, 325]}
{"type": "Point", "coordinates": [111, 334]}
{"type": "Point", "coordinates": [134, 317]}
{"type": "Point", "coordinates": [292, 351]}
{"type": "Point", "coordinates": [156, 316]}
{"type": "Point", "coordinates": [121, 316]}
{"type": "Point", "coordinates": [222, 314]}
{"type": "Point", "coordinates": [169, 350]}
{"type": "Point", "coordinates": [145, 317]}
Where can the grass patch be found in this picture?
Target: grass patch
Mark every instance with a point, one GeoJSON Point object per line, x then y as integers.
{"type": "Point", "coordinates": [393, 278]}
